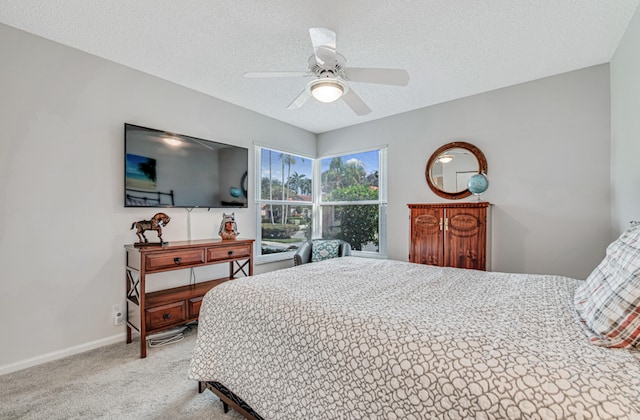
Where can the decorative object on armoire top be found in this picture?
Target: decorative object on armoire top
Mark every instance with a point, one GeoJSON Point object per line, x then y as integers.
{"type": "Point", "coordinates": [451, 166]}
{"type": "Point", "coordinates": [478, 184]}
{"type": "Point", "coordinates": [157, 222]}
{"type": "Point", "coordinates": [235, 192]}
{"type": "Point", "coordinates": [228, 228]}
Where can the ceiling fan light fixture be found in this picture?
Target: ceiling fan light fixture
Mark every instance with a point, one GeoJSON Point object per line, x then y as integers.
{"type": "Point", "coordinates": [445, 158]}
{"type": "Point", "coordinates": [327, 91]}
{"type": "Point", "coordinates": [172, 141]}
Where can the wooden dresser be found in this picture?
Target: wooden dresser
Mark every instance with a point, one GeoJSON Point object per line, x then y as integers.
{"type": "Point", "coordinates": [151, 312]}
{"type": "Point", "coordinates": [450, 234]}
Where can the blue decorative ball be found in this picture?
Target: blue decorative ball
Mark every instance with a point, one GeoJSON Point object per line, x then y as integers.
{"type": "Point", "coordinates": [478, 184]}
{"type": "Point", "coordinates": [235, 192]}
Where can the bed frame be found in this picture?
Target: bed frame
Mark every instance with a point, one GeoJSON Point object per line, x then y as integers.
{"type": "Point", "coordinates": [148, 198]}
{"type": "Point", "coordinates": [229, 399]}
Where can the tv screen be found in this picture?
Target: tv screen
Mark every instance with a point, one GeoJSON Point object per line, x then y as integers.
{"type": "Point", "coordinates": [164, 169]}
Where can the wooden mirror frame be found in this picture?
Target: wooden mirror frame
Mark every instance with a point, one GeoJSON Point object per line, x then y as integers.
{"type": "Point", "coordinates": [482, 163]}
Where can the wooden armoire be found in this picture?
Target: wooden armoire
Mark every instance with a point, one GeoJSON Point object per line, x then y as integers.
{"type": "Point", "coordinates": [450, 234]}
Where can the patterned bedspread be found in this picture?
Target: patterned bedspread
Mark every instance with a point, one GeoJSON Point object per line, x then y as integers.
{"type": "Point", "coordinates": [362, 338]}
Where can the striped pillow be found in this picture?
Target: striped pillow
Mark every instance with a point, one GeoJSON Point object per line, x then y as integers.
{"type": "Point", "coordinates": [608, 302]}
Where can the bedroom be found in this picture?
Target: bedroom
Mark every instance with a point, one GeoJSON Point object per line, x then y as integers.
{"type": "Point", "coordinates": [64, 224]}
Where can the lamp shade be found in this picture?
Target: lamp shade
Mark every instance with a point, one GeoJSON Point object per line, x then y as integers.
{"type": "Point", "coordinates": [327, 90]}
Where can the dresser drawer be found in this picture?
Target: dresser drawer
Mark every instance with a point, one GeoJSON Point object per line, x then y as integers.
{"type": "Point", "coordinates": [167, 260]}
{"type": "Point", "coordinates": [165, 315]}
{"type": "Point", "coordinates": [227, 252]}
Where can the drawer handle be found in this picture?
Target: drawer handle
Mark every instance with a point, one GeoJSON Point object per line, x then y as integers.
{"type": "Point", "coordinates": [166, 316]}
{"type": "Point", "coordinates": [177, 260]}
{"type": "Point", "coordinates": [230, 252]}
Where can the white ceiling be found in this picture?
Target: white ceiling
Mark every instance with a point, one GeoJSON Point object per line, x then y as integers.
{"type": "Point", "coordinates": [451, 48]}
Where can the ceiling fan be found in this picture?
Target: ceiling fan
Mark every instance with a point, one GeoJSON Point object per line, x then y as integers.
{"type": "Point", "coordinates": [331, 75]}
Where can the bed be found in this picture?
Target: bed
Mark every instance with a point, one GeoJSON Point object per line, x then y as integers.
{"type": "Point", "coordinates": [360, 338]}
{"type": "Point", "coordinates": [143, 198]}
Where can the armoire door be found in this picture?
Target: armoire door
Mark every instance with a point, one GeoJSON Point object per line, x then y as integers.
{"type": "Point", "coordinates": [466, 236]}
{"type": "Point", "coordinates": [427, 239]}
{"type": "Point", "coordinates": [450, 234]}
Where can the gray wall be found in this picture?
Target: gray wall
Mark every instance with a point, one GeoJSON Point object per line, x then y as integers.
{"type": "Point", "coordinates": [547, 147]}
{"type": "Point", "coordinates": [61, 179]}
{"type": "Point", "coordinates": [625, 129]}
{"type": "Point", "coordinates": [61, 188]}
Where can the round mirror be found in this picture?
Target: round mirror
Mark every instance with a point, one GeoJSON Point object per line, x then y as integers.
{"type": "Point", "coordinates": [450, 167]}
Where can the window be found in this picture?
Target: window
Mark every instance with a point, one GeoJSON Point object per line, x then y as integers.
{"type": "Point", "coordinates": [353, 200]}
{"type": "Point", "coordinates": [346, 199]}
{"type": "Point", "coordinates": [284, 199]}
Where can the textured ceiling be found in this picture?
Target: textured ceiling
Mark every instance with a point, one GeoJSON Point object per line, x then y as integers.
{"type": "Point", "coordinates": [451, 48]}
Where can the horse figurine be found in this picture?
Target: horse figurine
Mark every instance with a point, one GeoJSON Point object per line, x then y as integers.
{"type": "Point", "coordinates": [228, 228]}
{"type": "Point", "coordinates": [156, 223]}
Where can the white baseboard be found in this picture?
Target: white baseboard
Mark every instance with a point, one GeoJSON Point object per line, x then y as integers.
{"type": "Point", "coordinates": [38, 360]}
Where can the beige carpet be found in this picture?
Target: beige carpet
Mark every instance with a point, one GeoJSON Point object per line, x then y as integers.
{"type": "Point", "coordinates": [112, 382]}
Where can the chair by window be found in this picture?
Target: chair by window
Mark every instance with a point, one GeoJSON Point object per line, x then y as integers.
{"type": "Point", "coordinates": [325, 248]}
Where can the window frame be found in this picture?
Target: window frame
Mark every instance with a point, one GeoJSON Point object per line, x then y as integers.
{"type": "Point", "coordinates": [381, 201]}
{"type": "Point", "coordinates": [316, 201]}
{"type": "Point", "coordinates": [259, 201]}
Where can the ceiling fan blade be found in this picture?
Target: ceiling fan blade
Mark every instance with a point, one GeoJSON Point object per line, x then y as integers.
{"type": "Point", "coordinates": [396, 77]}
{"type": "Point", "coordinates": [300, 100]}
{"type": "Point", "coordinates": [277, 74]}
{"type": "Point", "coordinates": [322, 37]}
{"type": "Point", "coordinates": [324, 46]}
{"type": "Point", "coordinates": [326, 57]}
{"type": "Point", "coordinates": [355, 103]}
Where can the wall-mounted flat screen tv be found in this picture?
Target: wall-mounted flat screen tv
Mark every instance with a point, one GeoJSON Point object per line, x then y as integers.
{"type": "Point", "coordinates": [164, 169]}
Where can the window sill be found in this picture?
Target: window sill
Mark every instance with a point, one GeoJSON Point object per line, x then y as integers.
{"type": "Point", "coordinates": [283, 256]}
{"type": "Point", "coordinates": [269, 258]}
